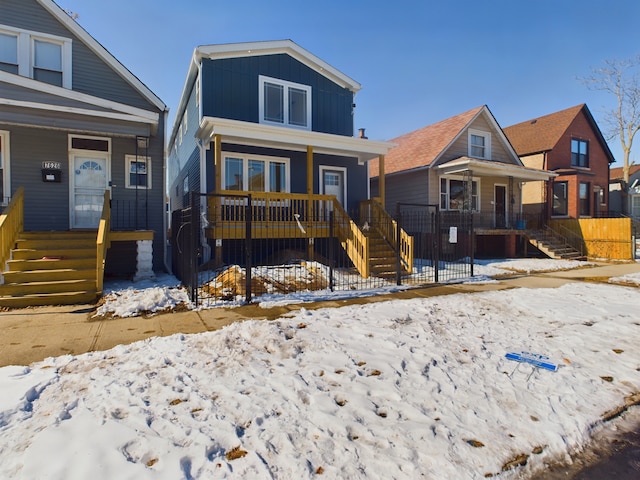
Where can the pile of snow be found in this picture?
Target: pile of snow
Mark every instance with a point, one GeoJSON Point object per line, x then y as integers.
{"type": "Point", "coordinates": [126, 299]}
{"type": "Point", "coordinates": [401, 389]}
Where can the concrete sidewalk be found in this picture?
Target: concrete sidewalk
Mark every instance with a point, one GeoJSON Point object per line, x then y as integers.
{"type": "Point", "coordinates": [33, 334]}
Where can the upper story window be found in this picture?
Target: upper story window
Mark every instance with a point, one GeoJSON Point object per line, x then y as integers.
{"type": "Point", "coordinates": [579, 153]}
{"type": "Point", "coordinates": [479, 144]}
{"type": "Point", "coordinates": [284, 103]}
{"type": "Point", "coordinates": [43, 57]}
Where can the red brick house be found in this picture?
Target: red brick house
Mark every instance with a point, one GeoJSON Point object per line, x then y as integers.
{"type": "Point", "coordinates": [570, 144]}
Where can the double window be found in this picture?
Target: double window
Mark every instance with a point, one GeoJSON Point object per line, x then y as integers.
{"type": "Point", "coordinates": [284, 103]}
{"type": "Point", "coordinates": [255, 173]}
{"type": "Point", "coordinates": [458, 195]}
{"type": "Point", "coordinates": [43, 57]}
{"type": "Point", "coordinates": [579, 153]}
{"type": "Point", "coordinates": [479, 144]}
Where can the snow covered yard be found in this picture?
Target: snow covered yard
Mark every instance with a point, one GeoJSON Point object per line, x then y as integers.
{"type": "Point", "coordinates": [400, 389]}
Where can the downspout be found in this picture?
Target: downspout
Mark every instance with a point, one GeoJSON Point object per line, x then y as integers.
{"type": "Point", "coordinates": [165, 223]}
{"type": "Point", "coordinates": [205, 247]}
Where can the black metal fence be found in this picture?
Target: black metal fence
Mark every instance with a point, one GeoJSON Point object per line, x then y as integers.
{"type": "Point", "coordinates": [232, 254]}
{"type": "Point", "coordinates": [130, 214]}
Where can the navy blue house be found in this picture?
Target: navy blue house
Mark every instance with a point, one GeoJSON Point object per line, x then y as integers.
{"type": "Point", "coordinates": [270, 119]}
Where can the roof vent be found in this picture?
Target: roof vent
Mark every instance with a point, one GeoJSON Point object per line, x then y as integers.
{"type": "Point", "coordinates": [533, 122]}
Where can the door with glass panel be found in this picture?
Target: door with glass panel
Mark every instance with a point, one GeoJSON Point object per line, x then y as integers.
{"type": "Point", "coordinates": [89, 178]}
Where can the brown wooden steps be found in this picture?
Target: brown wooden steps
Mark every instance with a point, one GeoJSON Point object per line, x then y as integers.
{"type": "Point", "coordinates": [50, 268]}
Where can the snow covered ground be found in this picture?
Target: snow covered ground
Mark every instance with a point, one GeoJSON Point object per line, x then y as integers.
{"type": "Point", "coordinates": [401, 389]}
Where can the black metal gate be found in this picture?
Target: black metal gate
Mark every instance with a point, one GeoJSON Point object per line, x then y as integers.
{"type": "Point", "coordinates": [225, 256]}
{"type": "Point", "coordinates": [442, 243]}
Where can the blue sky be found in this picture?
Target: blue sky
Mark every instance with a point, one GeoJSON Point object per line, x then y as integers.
{"type": "Point", "coordinates": [418, 61]}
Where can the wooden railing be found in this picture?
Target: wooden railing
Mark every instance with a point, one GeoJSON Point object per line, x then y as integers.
{"type": "Point", "coordinates": [11, 225]}
{"type": "Point", "coordinates": [377, 217]}
{"type": "Point", "coordinates": [102, 242]}
{"type": "Point", "coordinates": [286, 215]}
{"type": "Point", "coordinates": [353, 240]}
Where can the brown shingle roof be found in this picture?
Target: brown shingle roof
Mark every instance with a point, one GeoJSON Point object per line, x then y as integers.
{"type": "Point", "coordinates": [420, 147]}
{"type": "Point", "coordinates": [541, 134]}
{"type": "Point", "coordinates": [616, 173]}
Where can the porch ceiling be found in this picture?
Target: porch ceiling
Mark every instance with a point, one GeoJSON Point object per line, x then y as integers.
{"type": "Point", "coordinates": [485, 168]}
{"type": "Point", "coordinates": [255, 134]}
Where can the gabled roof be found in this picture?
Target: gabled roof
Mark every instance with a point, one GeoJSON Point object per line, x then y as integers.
{"type": "Point", "coordinates": [252, 49]}
{"type": "Point", "coordinates": [50, 98]}
{"type": "Point", "coordinates": [542, 134]}
{"type": "Point", "coordinates": [617, 174]}
{"type": "Point", "coordinates": [422, 148]}
{"type": "Point", "coordinates": [101, 52]}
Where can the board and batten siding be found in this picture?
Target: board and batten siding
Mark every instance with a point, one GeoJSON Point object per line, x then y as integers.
{"type": "Point", "coordinates": [230, 90]}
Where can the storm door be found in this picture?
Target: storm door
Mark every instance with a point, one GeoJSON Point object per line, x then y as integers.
{"type": "Point", "coordinates": [89, 180]}
{"type": "Point", "coordinates": [500, 206]}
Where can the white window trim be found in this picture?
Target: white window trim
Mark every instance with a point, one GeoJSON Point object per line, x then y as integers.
{"type": "Point", "coordinates": [245, 169]}
{"type": "Point", "coordinates": [89, 137]}
{"type": "Point", "coordinates": [26, 52]}
{"type": "Point", "coordinates": [6, 166]}
{"type": "Point", "coordinates": [487, 142]}
{"type": "Point", "coordinates": [262, 80]}
{"type": "Point", "coordinates": [448, 178]}
{"type": "Point", "coordinates": [128, 159]}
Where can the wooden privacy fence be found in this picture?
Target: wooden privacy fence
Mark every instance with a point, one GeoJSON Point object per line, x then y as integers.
{"type": "Point", "coordinates": [609, 238]}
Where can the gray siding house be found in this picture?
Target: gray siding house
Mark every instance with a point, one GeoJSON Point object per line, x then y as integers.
{"type": "Point", "coordinates": [74, 124]}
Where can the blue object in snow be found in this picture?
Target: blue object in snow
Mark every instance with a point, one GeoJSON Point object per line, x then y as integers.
{"type": "Point", "coordinates": [534, 359]}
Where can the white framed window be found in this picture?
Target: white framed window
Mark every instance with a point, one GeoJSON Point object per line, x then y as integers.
{"type": "Point", "coordinates": [43, 57]}
{"type": "Point", "coordinates": [452, 194]}
{"type": "Point", "coordinates": [284, 103]}
{"type": "Point", "coordinates": [479, 144]}
{"type": "Point", "coordinates": [138, 172]}
{"type": "Point", "coordinates": [5, 187]}
{"type": "Point", "coordinates": [255, 173]}
{"type": "Point", "coordinates": [9, 52]}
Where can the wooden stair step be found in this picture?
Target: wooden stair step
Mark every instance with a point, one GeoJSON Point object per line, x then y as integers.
{"type": "Point", "coordinates": [47, 287]}
{"type": "Point", "coordinates": [51, 264]}
{"type": "Point", "coordinates": [62, 298]}
{"type": "Point", "coordinates": [34, 254]}
{"type": "Point", "coordinates": [49, 275]}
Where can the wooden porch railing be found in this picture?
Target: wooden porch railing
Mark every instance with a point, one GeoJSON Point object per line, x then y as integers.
{"type": "Point", "coordinates": [353, 240]}
{"type": "Point", "coordinates": [377, 217]}
{"type": "Point", "coordinates": [287, 215]}
{"type": "Point", "coordinates": [102, 242]}
{"type": "Point", "coordinates": [11, 225]}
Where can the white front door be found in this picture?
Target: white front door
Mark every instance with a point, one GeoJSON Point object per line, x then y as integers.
{"type": "Point", "coordinates": [333, 182]}
{"type": "Point", "coordinates": [89, 180]}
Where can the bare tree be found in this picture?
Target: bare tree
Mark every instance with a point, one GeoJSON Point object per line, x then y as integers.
{"type": "Point", "coordinates": [620, 78]}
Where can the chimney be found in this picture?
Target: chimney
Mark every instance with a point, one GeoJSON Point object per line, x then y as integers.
{"type": "Point", "coordinates": [361, 133]}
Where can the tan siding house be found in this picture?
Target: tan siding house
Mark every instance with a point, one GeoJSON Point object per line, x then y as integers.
{"type": "Point", "coordinates": [462, 164]}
